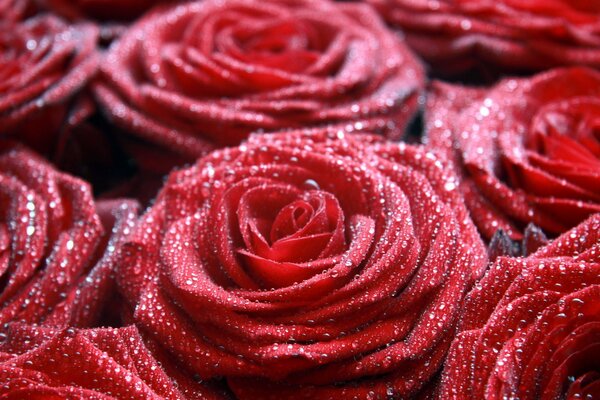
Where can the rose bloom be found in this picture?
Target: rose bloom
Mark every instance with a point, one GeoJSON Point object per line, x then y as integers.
{"type": "Point", "coordinates": [43, 67]}
{"type": "Point", "coordinates": [57, 251]}
{"type": "Point", "coordinates": [208, 73]}
{"type": "Point", "coordinates": [528, 149]}
{"type": "Point", "coordinates": [455, 35]}
{"type": "Point", "coordinates": [531, 327]}
{"type": "Point", "coordinates": [306, 265]}
{"type": "Point", "coordinates": [48, 363]}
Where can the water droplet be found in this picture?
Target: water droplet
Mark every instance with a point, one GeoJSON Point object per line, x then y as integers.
{"type": "Point", "coordinates": [311, 184]}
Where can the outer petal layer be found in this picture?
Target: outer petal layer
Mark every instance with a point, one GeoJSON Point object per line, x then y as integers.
{"type": "Point", "coordinates": [87, 364]}
{"type": "Point", "coordinates": [531, 327]}
{"type": "Point", "coordinates": [57, 247]}
{"type": "Point", "coordinates": [455, 35]}
{"type": "Point", "coordinates": [44, 67]}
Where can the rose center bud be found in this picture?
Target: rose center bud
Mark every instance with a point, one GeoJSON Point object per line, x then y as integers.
{"type": "Point", "coordinates": [291, 219]}
{"type": "Point", "coordinates": [290, 236]}
{"type": "Point", "coordinates": [568, 132]}
{"type": "Point", "coordinates": [287, 45]}
{"type": "Point", "coordinates": [564, 142]}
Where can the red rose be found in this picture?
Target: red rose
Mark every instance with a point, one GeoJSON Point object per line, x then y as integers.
{"type": "Point", "coordinates": [211, 72]}
{"type": "Point", "coordinates": [119, 10]}
{"type": "Point", "coordinates": [306, 265]}
{"type": "Point", "coordinates": [56, 251]}
{"type": "Point", "coordinates": [44, 65]}
{"type": "Point", "coordinates": [46, 363]}
{"type": "Point", "coordinates": [529, 149]}
{"type": "Point", "coordinates": [531, 327]}
{"type": "Point", "coordinates": [454, 35]}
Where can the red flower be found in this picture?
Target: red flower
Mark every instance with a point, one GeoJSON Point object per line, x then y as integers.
{"type": "Point", "coordinates": [56, 250]}
{"type": "Point", "coordinates": [531, 327]}
{"type": "Point", "coordinates": [529, 148]}
{"type": "Point", "coordinates": [44, 65]}
{"type": "Point", "coordinates": [306, 266]}
{"type": "Point", "coordinates": [454, 35]}
{"type": "Point", "coordinates": [46, 363]}
{"type": "Point", "coordinates": [211, 72]}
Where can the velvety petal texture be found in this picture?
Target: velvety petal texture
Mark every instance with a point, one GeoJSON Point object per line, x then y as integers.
{"type": "Point", "coordinates": [531, 327]}
{"type": "Point", "coordinates": [455, 35]}
{"type": "Point", "coordinates": [57, 246]}
{"type": "Point", "coordinates": [528, 149]}
{"type": "Point", "coordinates": [44, 64]}
{"type": "Point", "coordinates": [306, 265]}
{"type": "Point", "coordinates": [209, 73]}
{"type": "Point", "coordinates": [99, 364]}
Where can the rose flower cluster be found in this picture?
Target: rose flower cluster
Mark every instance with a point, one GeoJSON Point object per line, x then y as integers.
{"type": "Point", "coordinates": [281, 199]}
